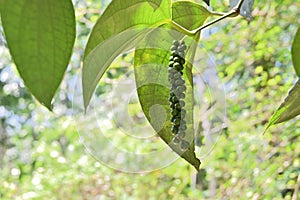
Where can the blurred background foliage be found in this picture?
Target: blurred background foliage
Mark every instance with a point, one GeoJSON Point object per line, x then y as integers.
{"type": "Point", "coordinates": [41, 156]}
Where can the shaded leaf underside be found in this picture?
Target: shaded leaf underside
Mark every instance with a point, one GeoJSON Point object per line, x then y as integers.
{"type": "Point", "coordinates": [119, 28]}
{"type": "Point", "coordinates": [151, 66]}
{"type": "Point", "coordinates": [132, 24]}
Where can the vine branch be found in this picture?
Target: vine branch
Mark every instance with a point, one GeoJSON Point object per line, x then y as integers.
{"type": "Point", "coordinates": [235, 11]}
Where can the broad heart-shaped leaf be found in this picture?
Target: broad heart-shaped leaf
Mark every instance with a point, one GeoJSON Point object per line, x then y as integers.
{"type": "Point", "coordinates": [289, 109]}
{"type": "Point", "coordinates": [296, 52]}
{"type": "Point", "coordinates": [151, 67]}
{"type": "Point", "coordinates": [40, 35]}
{"type": "Point", "coordinates": [121, 26]}
{"type": "Point", "coordinates": [1, 4]}
{"type": "Point", "coordinates": [151, 73]}
{"type": "Point", "coordinates": [189, 15]}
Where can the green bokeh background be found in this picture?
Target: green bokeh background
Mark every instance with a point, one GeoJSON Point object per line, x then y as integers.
{"type": "Point", "coordinates": [41, 156]}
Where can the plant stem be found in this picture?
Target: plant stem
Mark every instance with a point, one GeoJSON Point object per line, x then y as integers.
{"type": "Point", "coordinates": [239, 5]}
{"type": "Point", "coordinates": [217, 13]}
{"type": "Point", "coordinates": [231, 13]}
{"type": "Point", "coordinates": [181, 29]}
{"type": "Point", "coordinates": [235, 11]}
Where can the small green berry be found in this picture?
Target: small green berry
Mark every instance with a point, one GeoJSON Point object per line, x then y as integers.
{"type": "Point", "coordinates": [177, 121]}
{"type": "Point", "coordinates": [181, 95]}
{"type": "Point", "coordinates": [183, 127]}
{"type": "Point", "coordinates": [182, 103]}
{"type": "Point", "coordinates": [171, 63]}
{"type": "Point", "coordinates": [177, 106]}
{"type": "Point", "coordinates": [179, 82]}
{"type": "Point", "coordinates": [177, 76]}
{"type": "Point", "coordinates": [181, 88]}
{"type": "Point", "coordinates": [183, 113]}
{"type": "Point", "coordinates": [174, 99]}
{"type": "Point", "coordinates": [174, 53]}
{"type": "Point", "coordinates": [176, 140]}
{"type": "Point", "coordinates": [175, 112]}
{"type": "Point", "coordinates": [178, 66]}
{"type": "Point", "coordinates": [182, 61]}
{"type": "Point", "coordinates": [180, 54]}
{"type": "Point", "coordinates": [175, 42]}
{"type": "Point", "coordinates": [174, 47]}
{"type": "Point", "coordinates": [174, 129]}
{"type": "Point", "coordinates": [182, 48]}
{"type": "Point", "coordinates": [174, 118]}
{"type": "Point", "coordinates": [177, 60]}
{"type": "Point", "coordinates": [184, 145]}
{"type": "Point", "coordinates": [171, 76]}
{"type": "Point", "coordinates": [172, 105]}
{"type": "Point", "coordinates": [181, 133]}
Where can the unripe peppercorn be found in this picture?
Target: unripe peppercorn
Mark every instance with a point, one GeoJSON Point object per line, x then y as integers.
{"type": "Point", "coordinates": [177, 93]}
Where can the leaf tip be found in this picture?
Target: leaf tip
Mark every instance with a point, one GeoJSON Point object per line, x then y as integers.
{"type": "Point", "coordinates": [49, 106]}
{"type": "Point", "coordinates": [267, 128]}
{"type": "Point", "coordinates": [197, 165]}
{"type": "Point", "coordinates": [85, 104]}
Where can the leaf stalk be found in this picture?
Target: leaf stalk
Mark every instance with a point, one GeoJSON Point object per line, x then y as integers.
{"type": "Point", "coordinates": [235, 11]}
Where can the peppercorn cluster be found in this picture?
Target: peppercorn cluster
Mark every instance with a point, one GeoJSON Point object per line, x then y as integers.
{"type": "Point", "coordinates": [177, 93]}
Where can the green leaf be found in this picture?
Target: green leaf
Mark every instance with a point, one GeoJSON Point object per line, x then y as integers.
{"type": "Point", "coordinates": [289, 109]}
{"type": "Point", "coordinates": [189, 15]}
{"type": "Point", "coordinates": [151, 65]}
{"type": "Point", "coordinates": [1, 4]}
{"type": "Point", "coordinates": [151, 68]}
{"type": "Point", "coordinates": [40, 36]}
{"type": "Point", "coordinates": [121, 26]}
{"type": "Point", "coordinates": [296, 52]}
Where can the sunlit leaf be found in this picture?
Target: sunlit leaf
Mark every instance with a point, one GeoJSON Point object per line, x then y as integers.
{"type": "Point", "coordinates": [40, 35]}
{"type": "Point", "coordinates": [151, 68]}
{"type": "Point", "coordinates": [1, 4]}
{"type": "Point", "coordinates": [290, 108]}
{"type": "Point", "coordinates": [122, 24]}
{"type": "Point", "coordinates": [195, 13]}
{"type": "Point", "coordinates": [296, 52]}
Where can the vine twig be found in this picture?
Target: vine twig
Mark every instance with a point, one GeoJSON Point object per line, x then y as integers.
{"type": "Point", "coordinates": [235, 11]}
